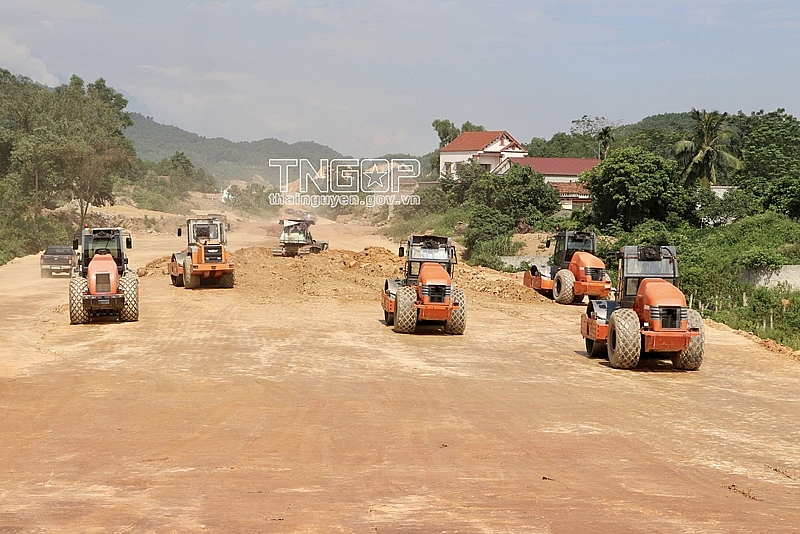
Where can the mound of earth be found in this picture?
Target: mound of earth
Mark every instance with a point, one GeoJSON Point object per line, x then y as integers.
{"type": "Point", "coordinates": [157, 267]}
{"type": "Point", "coordinates": [495, 283]}
{"type": "Point", "coordinates": [339, 274]}
{"type": "Point", "coordinates": [347, 275]}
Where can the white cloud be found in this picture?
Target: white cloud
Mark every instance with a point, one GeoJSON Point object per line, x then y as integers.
{"type": "Point", "coordinates": [172, 72]}
{"type": "Point", "coordinates": [18, 59]}
{"type": "Point", "coordinates": [209, 100]}
{"type": "Point", "coordinates": [274, 5]}
{"type": "Point", "coordinates": [208, 6]}
{"type": "Point", "coordinates": [58, 9]}
{"type": "Point", "coordinates": [222, 76]}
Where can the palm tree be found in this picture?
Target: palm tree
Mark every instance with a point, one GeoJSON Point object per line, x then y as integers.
{"type": "Point", "coordinates": [710, 149]}
{"type": "Point", "coordinates": [604, 138]}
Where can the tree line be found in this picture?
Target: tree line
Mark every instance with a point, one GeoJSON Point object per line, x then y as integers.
{"type": "Point", "coordinates": [661, 168]}
{"type": "Point", "coordinates": [66, 144]}
{"type": "Point", "coordinates": [652, 187]}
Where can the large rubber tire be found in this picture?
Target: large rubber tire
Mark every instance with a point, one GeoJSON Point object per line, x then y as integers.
{"type": "Point", "coordinates": [388, 318]}
{"type": "Point", "coordinates": [227, 280]}
{"type": "Point", "coordinates": [190, 281]}
{"type": "Point", "coordinates": [77, 287]}
{"type": "Point", "coordinates": [692, 358]}
{"type": "Point", "coordinates": [595, 349]}
{"type": "Point", "coordinates": [457, 322]}
{"type": "Point", "coordinates": [405, 313]}
{"type": "Point", "coordinates": [624, 339]}
{"type": "Point", "coordinates": [129, 285]}
{"type": "Point", "coordinates": [177, 280]}
{"type": "Point", "coordinates": [564, 286]}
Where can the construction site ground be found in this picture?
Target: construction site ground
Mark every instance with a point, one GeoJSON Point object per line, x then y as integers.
{"type": "Point", "coordinates": [286, 405]}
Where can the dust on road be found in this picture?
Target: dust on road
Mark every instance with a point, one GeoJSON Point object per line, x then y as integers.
{"type": "Point", "coordinates": [286, 405]}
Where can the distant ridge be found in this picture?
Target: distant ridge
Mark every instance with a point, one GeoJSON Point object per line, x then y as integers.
{"type": "Point", "coordinates": [227, 160]}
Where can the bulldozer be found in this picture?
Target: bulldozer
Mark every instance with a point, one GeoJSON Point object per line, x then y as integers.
{"type": "Point", "coordinates": [296, 239]}
{"type": "Point", "coordinates": [206, 259]}
{"type": "Point", "coordinates": [649, 314]}
{"type": "Point", "coordinates": [425, 293]}
{"type": "Point", "coordinates": [101, 283]}
{"type": "Point", "coordinates": [574, 272]}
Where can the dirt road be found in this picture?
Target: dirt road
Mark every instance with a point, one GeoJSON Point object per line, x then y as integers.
{"type": "Point", "coordinates": [285, 405]}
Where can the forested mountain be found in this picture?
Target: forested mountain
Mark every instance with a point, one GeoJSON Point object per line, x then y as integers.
{"type": "Point", "coordinates": [227, 160]}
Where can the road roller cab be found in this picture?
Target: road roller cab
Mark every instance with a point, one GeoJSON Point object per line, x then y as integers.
{"type": "Point", "coordinates": [425, 293]}
{"type": "Point", "coordinates": [102, 284]}
{"type": "Point", "coordinates": [574, 271]}
{"type": "Point", "coordinates": [649, 314]}
{"type": "Point", "coordinates": [206, 258]}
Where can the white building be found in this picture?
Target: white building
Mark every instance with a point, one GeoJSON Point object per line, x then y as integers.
{"type": "Point", "coordinates": [562, 174]}
{"type": "Point", "coordinates": [490, 149]}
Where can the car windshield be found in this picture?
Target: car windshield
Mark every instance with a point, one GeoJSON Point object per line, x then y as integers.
{"type": "Point", "coordinates": [111, 243]}
{"type": "Point", "coordinates": [580, 244]}
{"type": "Point", "coordinates": [206, 231]}
{"type": "Point", "coordinates": [425, 254]}
{"type": "Point", "coordinates": [59, 251]}
{"type": "Point", "coordinates": [664, 268]}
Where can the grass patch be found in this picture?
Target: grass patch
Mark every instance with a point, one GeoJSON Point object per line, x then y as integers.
{"type": "Point", "coordinates": [446, 223]}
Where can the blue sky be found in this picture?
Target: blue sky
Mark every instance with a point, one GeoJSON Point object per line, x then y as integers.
{"type": "Point", "coordinates": [368, 77]}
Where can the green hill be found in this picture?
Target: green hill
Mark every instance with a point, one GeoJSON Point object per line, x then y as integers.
{"type": "Point", "coordinates": [226, 160]}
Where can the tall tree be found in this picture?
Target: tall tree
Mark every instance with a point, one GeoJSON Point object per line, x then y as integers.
{"type": "Point", "coordinates": [447, 131]}
{"type": "Point", "coordinates": [520, 193]}
{"type": "Point", "coordinates": [633, 185]}
{"type": "Point", "coordinates": [35, 159]}
{"type": "Point", "coordinates": [709, 151]}
{"type": "Point", "coordinates": [604, 139]}
{"type": "Point", "coordinates": [563, 145]}
{"type": "Point", "coordinates": [91, 120]}
{"type": "Point", "coordinates": [469, 127]}
{"type": "Point", "coordinates": [770, 148]}
{"type": "Point", "coordinates": [587, 138]}
{"type": "Point", "coordinates": [598, 130]}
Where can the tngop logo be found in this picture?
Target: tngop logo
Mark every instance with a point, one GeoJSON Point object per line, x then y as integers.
{"type": "Point", "coordinates": [346, 175]}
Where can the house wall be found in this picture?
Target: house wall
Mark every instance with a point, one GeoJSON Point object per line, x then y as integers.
{"type": "Point", "coordinates": [788, 273]}
{"type": "Point", "coordinates": [493, 159]}
{"type": "Point", "coordinates": [720, 190]}
{"type": "Point", "coordinates": [560, 178]}
{"type": "Point", "coordinates": [447, 158]}
{"type": "Point", "coordinates": [515, 261]}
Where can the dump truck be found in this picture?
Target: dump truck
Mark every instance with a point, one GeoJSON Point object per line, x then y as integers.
{"type": "Point", "coordinates": [101, 283]}
{"type": "Point", "coordinates": [206, 259]}
{"type": "Point", "coordinates": [426, 292]}
{"type": "Point", "coordinates": [648, 316]}
{"type": "Point", "coordinates": [296, 239]}
{"type": "Point", "coordinates": [574, 271]}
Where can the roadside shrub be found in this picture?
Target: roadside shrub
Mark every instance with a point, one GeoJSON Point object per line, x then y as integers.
{"type": "Point", "coordinates": [489, 236]}
{"type": "Point", "coordinates": [761, 259]}
{"type": "Point", "coordinates": [432, 200]}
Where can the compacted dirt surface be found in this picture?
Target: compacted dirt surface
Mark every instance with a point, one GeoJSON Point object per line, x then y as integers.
{"type": "Point", "coordinates": [286, 405]}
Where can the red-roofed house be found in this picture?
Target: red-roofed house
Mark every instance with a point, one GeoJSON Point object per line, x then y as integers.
{"type": "Point", "coordinates": [554, 169]}
{"type": "Point", "coordinates": [490, 149]}
{"type": "Point", "coordinates": [562, 174]}
{"type": "Point", "coordinates": [572, 194]}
